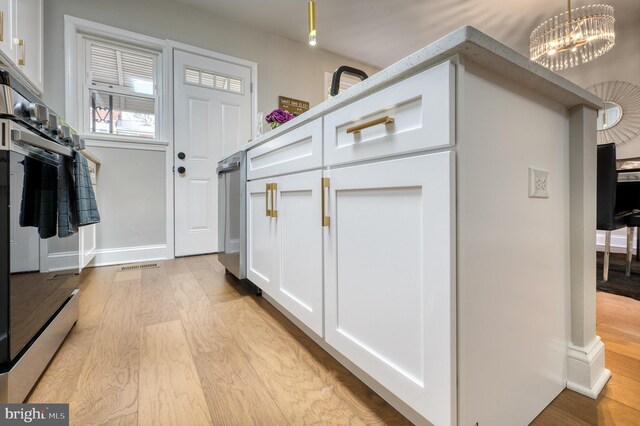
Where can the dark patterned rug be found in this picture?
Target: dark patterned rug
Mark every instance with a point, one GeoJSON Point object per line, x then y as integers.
{"type": "Point", "coordinates": [619, 283]}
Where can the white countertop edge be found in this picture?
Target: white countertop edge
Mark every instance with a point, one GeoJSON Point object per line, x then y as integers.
{"type": "Point", "coordinates": [91, 156]}
{"type": "Point", "coordinates": [473, 45]}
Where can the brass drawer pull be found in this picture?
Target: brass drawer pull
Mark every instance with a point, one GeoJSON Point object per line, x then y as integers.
{"type": "Point", "coordinates": [20, 42]}
{"type": "Point", "coordinates": [266, 197]}
{"type": "Point", "coordinates": [382, 120]}
{"type": "Point", "coordinates": [274, 211]}
{"type": "Point", "coordinates": [326, 184]}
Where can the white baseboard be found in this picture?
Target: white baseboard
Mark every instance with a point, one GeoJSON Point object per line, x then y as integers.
{"type": "Point", "coordinates": [61, 261]}
{"type": "Point", "coordinates": [618, 241]}
{"type": "Point", "coordinates": [586, 373]}
{"type": "Point", "coordinates": [117, 256]}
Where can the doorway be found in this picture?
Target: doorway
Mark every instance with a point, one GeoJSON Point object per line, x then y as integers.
{"type": "Point", "coordinates": [212, 117]}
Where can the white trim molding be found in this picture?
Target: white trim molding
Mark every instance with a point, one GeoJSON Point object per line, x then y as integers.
{"type": "Point", "coordinates": [89, 143]}
{"type": "Point", "coordinates": [117, 256]}
{"type": "Point", "coordinates": [586, 373]}
{"type": "Point", "coordinates": [61, 261]}
{"type": "Point", "coordinates": [618, 241]}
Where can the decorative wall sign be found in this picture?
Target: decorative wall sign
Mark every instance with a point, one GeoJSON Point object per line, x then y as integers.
{"type": "Point", "coordinates": [619, 120]}
{"type": "Point", "coordinates": [294, 106]}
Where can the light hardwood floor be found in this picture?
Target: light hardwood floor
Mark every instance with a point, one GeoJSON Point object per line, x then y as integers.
{"type": "Point", "coordinates": [185, 344]}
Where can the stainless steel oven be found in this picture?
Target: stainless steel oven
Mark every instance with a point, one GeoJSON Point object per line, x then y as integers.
{"type": "Point", "coordinates": [232, 216]}
{"type": "Point", "coordinates": [37, 307]}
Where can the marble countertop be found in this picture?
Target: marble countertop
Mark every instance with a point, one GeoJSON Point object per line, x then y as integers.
{"type": "Point", "coordinates": [468, 42]}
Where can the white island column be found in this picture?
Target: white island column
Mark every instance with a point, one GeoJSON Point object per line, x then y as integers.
{"type": "Point", "coordinates": [586, 371]}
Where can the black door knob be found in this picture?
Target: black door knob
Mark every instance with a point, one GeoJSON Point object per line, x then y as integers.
{"type": "Point", "coordinates": [181, 170]}
{"type": "Point", "coordinates": [181, 155]}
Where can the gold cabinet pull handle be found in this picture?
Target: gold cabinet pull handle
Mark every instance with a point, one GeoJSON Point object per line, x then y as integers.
{"type": "Point", "coordinates": [266, 198]}
{"type": "Point", "coordinates": [1, 25]}
{"type": "Point", "coordinates": [20, 42]}
{"type": "Point", "coordinates": [382, 120]}
{"type": "Point", "coordinates": [326, 184]}
{"type": "Point", "coordinates": [274, 211]}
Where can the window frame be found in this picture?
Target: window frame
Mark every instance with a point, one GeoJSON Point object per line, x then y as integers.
{"type": "Point", "coordinates": [79, 33]}
{"type": "Point", "coordinates": [90, 41]}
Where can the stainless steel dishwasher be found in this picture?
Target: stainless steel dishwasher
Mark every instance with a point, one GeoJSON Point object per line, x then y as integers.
{"type": "Point", "coordinates": [232, 216]}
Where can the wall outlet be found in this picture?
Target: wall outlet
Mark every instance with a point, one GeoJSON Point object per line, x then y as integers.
{"type": "Point", "coordinates": [538, 183]}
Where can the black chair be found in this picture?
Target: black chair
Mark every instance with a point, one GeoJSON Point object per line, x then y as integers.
{"type": "Point", "coordinates": [633, 222]}
{"type": "Point", "coordinates": [628, 199]}
{"type": "Point", "coordinates": [608, 218]}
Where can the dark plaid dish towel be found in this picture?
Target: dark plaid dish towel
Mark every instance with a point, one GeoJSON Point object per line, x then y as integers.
{"type": "Point", "coordinates": [85, 198]}
{"type": "Point", "coordinates": [67, 212]}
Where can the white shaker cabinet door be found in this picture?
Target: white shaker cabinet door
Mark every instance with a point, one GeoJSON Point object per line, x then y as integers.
{"type": "Point", "coordinates": [389, 277]}
{"type": "Point", "coordinates": [299, 247]}
{"type": "Point", "coordinates": [28, 40]}
{"type": "Point", "coordinates": [6, 28]}
{"type": "Point", "coordinates": [261, 235]}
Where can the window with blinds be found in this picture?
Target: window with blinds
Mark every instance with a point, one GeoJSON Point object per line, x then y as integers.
{"type": "Point", "coordinates": [123, 94]}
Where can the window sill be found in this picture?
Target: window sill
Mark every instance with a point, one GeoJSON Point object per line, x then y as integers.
{"type": "Point", "coordinates": [119, 139]}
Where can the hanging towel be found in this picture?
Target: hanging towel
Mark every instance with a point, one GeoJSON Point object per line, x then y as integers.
{"type": "Point", "coordinates": [39, 205]}
{"type": "Point", "coordinates": [67, 212]}
{"type": "Point", "coordinates": [86, 206]}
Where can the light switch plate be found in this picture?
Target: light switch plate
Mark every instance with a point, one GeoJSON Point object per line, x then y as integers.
{"type": "Point", "coordinates": [538, 183]}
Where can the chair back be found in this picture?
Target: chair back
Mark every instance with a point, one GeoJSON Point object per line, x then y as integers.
{"type": "Point", "coordinates": [607, 182]}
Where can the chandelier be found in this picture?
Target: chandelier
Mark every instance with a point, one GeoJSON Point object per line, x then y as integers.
{"type": "Point", "coordinates": [574, 37]}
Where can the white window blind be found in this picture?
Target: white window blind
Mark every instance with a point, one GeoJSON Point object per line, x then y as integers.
{"type": "Point", "coordinates": [122, 89]}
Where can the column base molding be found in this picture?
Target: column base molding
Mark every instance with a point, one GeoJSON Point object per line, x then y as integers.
{"type": "Point", "coordinates": [586, 373]}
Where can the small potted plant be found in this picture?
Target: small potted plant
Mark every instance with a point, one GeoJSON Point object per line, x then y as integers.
{"type": "Point", "coordinates": [278, 117]}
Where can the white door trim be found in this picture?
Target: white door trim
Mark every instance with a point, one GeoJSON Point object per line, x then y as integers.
{"type": "Point", "coordinates": [172, 46]}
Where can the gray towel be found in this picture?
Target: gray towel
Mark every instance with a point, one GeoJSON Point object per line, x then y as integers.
{"type": "Point", "coordinates": [67, 213]}
{"type": "Point", "coordinates": [86, 206]}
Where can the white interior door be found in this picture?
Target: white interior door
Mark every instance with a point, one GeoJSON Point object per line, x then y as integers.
{"type": "Point", "coordinates": [212, 117]}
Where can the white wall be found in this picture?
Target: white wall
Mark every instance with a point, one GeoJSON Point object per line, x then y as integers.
{"type": "Point", "coordinates": [131, 192]}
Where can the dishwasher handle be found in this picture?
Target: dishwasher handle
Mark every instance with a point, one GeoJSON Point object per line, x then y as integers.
{"type": "Point", "coordinates": [228, 167]}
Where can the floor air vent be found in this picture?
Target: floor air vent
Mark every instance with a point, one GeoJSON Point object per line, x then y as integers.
{"type": "Point", "coordinates": [137, 267]}
{"type": "Point", "coordinates": [61, 275]}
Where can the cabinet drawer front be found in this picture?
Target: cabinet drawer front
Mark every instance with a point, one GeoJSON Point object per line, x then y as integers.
{"type": "Point", "coordinates": [389, 277]}
{"type": "Point", "coordinates": [422, 108]}
{"type": "Point", "coordinates": [297, 150]}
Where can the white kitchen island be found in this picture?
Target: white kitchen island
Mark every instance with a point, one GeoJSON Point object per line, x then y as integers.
{"type": "Point", "coordinates": [394, 225]}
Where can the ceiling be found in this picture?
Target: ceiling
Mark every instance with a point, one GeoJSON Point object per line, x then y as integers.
{"type": "Point", "coordinates": [380, 32]}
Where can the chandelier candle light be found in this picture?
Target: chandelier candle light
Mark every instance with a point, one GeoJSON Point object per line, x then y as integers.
{"type": "Point", "coordinates": [574, 37]}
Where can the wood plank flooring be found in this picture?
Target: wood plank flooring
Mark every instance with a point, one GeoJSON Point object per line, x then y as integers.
{"type": "Point", "coordinates": [186, 344]}
{"type": "Point", "coordinates": [618, 324]}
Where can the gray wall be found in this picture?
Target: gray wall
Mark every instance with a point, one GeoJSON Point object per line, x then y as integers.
{"type": "Point", "coordinates": [131, 192]}
{"type": "Point", "coordinates": [284, 67]}
{"type": "Point", "coordinates": [621, 63]}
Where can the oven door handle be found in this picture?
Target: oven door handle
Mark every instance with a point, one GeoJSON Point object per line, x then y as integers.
{"type": "Point", "coordinates": [39, 142]}
{"type": "Point", "coordinates": [228, 167]}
